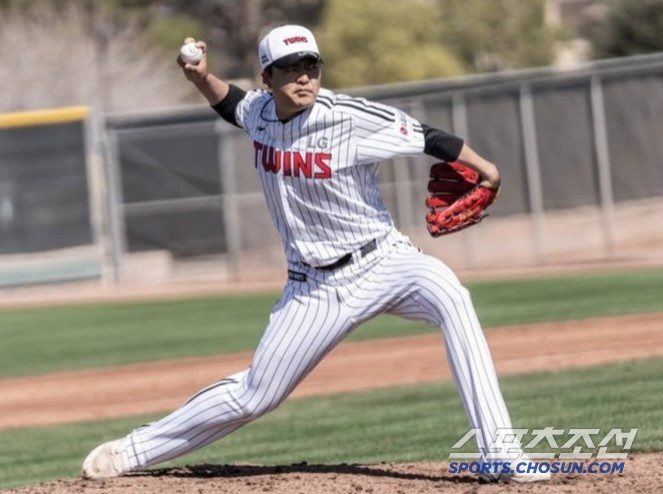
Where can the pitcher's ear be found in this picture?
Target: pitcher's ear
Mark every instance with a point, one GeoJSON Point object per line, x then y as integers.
{"type": "Point", "coordinates": [267, 77]}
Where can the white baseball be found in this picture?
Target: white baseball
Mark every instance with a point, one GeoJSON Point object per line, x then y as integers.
{"type": "Point", "coordinates": [190, 53]}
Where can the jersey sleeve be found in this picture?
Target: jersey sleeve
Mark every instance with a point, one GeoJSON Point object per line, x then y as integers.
{"type": "Point", "coordinates": [381, 131]}
{"type": "Point", "coordinates": [248, 108]}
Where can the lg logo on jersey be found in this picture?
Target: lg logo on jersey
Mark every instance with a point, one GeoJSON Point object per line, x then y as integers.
{"type": "Point", "coordinates": [293, 163]}
{"type": "Point", "coordinates": [322, 142]}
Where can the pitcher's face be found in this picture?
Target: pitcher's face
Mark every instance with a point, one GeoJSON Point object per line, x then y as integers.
{"type": "Point", "coordinates": [295, 88]}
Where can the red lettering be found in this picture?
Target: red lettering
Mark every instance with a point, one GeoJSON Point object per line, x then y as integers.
{"type": "Point", "coordinates": [321, 161]}
{"type": "Point", "coordinates": [258, 147]}
{"type": "Point", "coordinates": [286, 163]}
{"type": "Point", "coordinates": [303, 164]}
{"type": "Point", "coordinates": [276, 165]}
{"type": "Point", "coordinates": [295, 39]}
{"type": "Point", "coordinates": [267, 158]}
{"type": "Point", "coordinates": [293, 163]}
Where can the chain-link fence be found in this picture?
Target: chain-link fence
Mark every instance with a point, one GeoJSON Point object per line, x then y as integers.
{"type": "Point", "coordinates": [577, 149]}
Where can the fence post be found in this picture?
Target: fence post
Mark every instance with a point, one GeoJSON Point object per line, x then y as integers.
{"type": "Point", "coordinates": [94, 165]}
{"type": "Point", "coordinates": [603, 164]}
{"type": "Point", "coordinates": [228, 192]}
{"type": "Point", "coordinates": [533, 166]}
{"type": "Point", "coordinates": [117, 241]}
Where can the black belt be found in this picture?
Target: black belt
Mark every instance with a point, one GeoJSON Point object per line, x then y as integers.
{"type": "Point", "coordinates": [364, 250]}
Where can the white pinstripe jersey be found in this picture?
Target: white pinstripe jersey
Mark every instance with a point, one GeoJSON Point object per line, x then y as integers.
{"type": "Point", "coordinates": [319, 170]}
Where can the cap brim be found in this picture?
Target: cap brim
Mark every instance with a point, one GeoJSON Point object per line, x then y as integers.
{"type": "Point", "coordinates": [293, 58]}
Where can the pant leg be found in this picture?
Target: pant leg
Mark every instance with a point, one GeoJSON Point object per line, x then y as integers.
{"type": "Point", "coordinates": [428, 290]}
{"type": "Point", "coordinates": [304, 326]}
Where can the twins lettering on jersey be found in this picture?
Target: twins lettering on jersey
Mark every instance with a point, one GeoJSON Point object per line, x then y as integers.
{"type": "Point", "coordinates": [309, 164]}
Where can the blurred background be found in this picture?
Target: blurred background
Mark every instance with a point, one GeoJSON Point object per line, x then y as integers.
{"type": "Point", "coordinates": [114, 172]}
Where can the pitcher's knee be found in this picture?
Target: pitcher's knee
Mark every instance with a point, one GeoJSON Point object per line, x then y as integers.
{"type": "Point", "coordinates": [457, 295]}
{"type": "Point", "coordinates": [463, 294]}
{"type": "Point", "coordinates": [258, 405]}
{"type": "Point", "coordinates": [449, 304]}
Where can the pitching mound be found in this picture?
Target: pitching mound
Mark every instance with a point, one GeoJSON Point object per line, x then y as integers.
{"type": "Point", "coordinates": [642, 474]}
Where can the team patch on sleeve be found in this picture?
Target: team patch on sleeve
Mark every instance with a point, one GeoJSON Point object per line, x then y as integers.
{"type": "Point", "coordinates": [404, 123]}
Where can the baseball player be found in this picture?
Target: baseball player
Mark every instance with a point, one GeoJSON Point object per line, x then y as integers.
{"type": "Point", "coordinates": [317, 155]}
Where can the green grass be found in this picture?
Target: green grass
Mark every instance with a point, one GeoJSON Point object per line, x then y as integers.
{"type": "Point", "coordinates": [572, 297]}
{"type": "Point", "coordinates": [51, 338]}
{"type": "Point", "coordinates": [43, 339]}
{"type": "Point", "coordinates": [414, 423]}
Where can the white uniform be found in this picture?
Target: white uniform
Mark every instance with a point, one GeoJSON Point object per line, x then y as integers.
{"type": "Point", "coordinates": [346, 264]}
{"type": "Point", "coordinates": [319, 170]}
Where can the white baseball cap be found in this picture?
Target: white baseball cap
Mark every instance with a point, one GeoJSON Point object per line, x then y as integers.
{"type": "Point", "coordinates": [285, 45]}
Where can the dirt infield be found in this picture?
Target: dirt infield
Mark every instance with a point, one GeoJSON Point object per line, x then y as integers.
{"type": "Point", "coordinates": [145, 388]}
{"type": "Point", "coordinates": [642, 474]}
{"type": "Point", "coordinates": [93, 394]}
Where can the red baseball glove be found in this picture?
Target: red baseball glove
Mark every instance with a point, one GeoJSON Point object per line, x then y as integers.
{"type": "Point", "coordinates": [456, 200]}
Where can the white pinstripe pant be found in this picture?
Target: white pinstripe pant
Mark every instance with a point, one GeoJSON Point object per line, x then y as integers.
{"type": "Point", "coordinates": [309, 320]}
